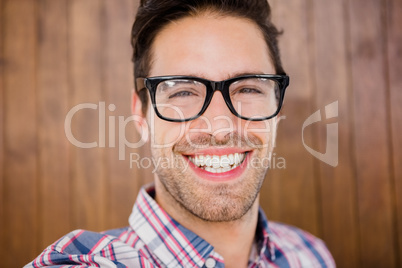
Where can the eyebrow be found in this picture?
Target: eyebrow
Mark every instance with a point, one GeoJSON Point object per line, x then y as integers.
{"type": "Point", "coordinates": [229, 76]}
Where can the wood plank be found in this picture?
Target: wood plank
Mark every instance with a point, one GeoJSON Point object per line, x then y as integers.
{"type": "Point", "coordinates": [376, 222]}
{"type": "Point", "coordinates": [394, 22]}
{"type": "Point", "coordinates": [123, 180]}
{"type": "Point", "coordinates": [338, 185]}
{"type": "Point", "coordinates": [52, 108]}
{"type": "Point", "coordinates": [20, 138]}
{"type": "Point", "coordinates": [146, 175]}
{"type": "Point", "coordinates": [86, 80]}
{"type": "Point", "coordinates": [289, 195]}
{"type": "Point", "coordinates": [3, 244]}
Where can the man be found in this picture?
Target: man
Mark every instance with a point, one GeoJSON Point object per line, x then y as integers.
{"type": "Point", "coordinates": [209, 87]}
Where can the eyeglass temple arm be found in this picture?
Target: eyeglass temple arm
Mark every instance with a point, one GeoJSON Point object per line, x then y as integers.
{"type": "Point", "coordinates": [139, 84]}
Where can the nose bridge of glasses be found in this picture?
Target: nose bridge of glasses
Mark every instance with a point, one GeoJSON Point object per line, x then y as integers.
{"type": "Point", "coordinates": [217, 86]}
{"type": "Point", "coordinates": [218, 89]}
{"type": "Point", "coordinates": [214, 85]}
{"type": "Point", "coordinates": [217, 102]}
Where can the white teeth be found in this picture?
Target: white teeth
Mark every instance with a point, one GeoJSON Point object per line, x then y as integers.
{"type": "Point", "coordinates": [207, 161]}
{"type": "Point", "coordinates": [225, 169]}
{"type": "Point", "coordinates": [218, 164]}
{"type": "Point", "coordinates": [238, 158]}
{"type": "Point", "coordinates": [199, 160]}
{"type": "Point", "coordinates": [231, 159]}
{"type": "Point", "coordinates": [209, 169]}
{"type": "Point", "coordinates": [225, 162]}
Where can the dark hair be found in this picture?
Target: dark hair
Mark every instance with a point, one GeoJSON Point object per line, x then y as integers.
{"type": "Point", "coordinates": [154, 15]}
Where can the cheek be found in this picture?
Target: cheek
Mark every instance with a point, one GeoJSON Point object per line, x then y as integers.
{"type": "Point", "coordinates": [263, 130]}
{"type": "Point", "coordinates": [165, 133]}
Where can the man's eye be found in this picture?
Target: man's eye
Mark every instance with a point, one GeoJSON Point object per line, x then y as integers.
{"type": "Point", "coordinates": [249, 90]}
{"type": "Point", "coordinates": [181, 94]}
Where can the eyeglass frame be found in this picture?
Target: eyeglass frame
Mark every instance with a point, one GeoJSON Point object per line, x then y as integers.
{"type": "Point", "coordinates": [151, 83]}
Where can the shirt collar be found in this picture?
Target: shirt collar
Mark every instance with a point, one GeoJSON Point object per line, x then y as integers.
{"type": "Point", "coordinates": [263, 235]}
{"type": "Point", "coordinates": [175, 245]}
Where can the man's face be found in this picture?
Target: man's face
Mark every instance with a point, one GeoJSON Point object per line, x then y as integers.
{"type": "Point", "coordinates": [216, 163]}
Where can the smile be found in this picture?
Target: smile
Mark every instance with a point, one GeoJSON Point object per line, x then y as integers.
{"type": "Point", "coordinates": [218, 163]}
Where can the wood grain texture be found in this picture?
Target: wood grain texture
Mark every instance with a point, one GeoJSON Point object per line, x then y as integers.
{"type": "Point", "coordinates": [394, 69]}
{"type": "Point", "coordinates": [332, 83]}
{"type": "Point", "coordinates": [20, 132]}
{"type": "Point", "coordinates": [123, 177]}
{"type": "Point", "coordinates": [57, 54]}
{"type": "Point", "coordinates": [2, 110]}
{"type": "Point", "coordinates": [54, 148]}
{"type": "Point", "coordinates": [370, 135]}
{"type": "Point", "coordinates": [86, 80]}
{"type": "Point", "coordinates": [293, 189]}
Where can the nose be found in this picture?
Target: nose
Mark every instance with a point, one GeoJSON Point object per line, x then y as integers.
{"type": "Point", "coordinates": [218, 119]}
{"type": "Point", "coordinates": [217, 107]}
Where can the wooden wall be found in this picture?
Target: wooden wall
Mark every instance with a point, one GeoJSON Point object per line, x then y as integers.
{"type": "Point", "coordinates": [56, 54]}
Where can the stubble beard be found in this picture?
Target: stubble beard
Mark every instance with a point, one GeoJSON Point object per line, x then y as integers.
{"type": "Point", "coordinates": [210, 201]}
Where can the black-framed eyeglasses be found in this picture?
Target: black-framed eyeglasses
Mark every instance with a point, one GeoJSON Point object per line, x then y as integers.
{"type": "Point", "coordinates": [185, 98]}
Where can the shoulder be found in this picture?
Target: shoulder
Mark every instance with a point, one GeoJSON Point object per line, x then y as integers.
{"type": "Point", "coordinates": [81, 247]}
{"type": "Point", "coordinates": [293, 243]}
{"type": "Point", "coordinates": [85, 242]}
{"type": "Point", "coordinates": [292, 234]}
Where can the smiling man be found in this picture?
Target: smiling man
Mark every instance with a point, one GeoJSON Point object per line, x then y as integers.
{"type": "Point", "coordinates": [209, 87]}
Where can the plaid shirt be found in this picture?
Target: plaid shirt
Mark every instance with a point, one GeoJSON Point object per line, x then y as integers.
{"type": "Point", "coordinates": [154, 239]}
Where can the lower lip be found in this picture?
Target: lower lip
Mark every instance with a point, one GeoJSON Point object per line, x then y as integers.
{"type": "Point", "coordinates": [230, 175]}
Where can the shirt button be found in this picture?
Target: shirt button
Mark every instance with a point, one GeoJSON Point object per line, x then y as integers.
{"type": "Point", "coordinates": [210, 263]}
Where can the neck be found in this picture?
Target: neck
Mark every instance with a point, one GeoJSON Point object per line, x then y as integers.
{"type": "Point", "coordinates": [232, 240]}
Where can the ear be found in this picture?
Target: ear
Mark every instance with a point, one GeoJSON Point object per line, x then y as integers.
{"type": "Point", "coordinates": [140, 121]}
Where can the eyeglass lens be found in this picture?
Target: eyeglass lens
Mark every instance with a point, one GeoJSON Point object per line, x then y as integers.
{"type": "Point", "coordinates": [184, 98]}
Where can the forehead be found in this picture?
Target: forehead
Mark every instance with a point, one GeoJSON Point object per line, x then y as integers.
{"type": "Point", "coordinates": [211, 47]}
